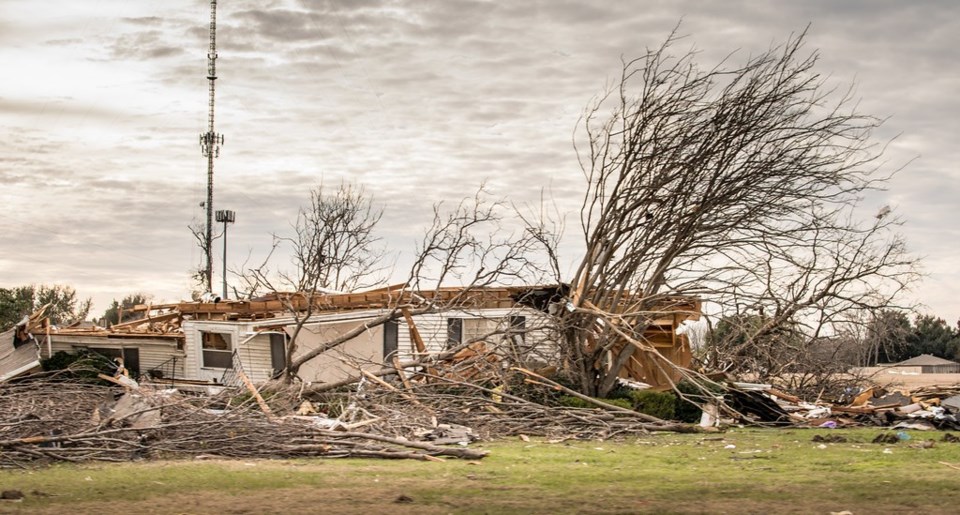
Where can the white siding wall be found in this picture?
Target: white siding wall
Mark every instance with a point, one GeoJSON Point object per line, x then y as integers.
{"type": "Point", "coordinates": [365, 351]}
{"type": "Point", "coordinates": [433, 330]}
{"type": "Point", "coordinates": [254, 353]}
{"type": "Point", "coordinates": [255, 357]}
{"type": "Point", "coordinates": [153, 351]}
{"type": "Point", "coordinates": [17, 360]}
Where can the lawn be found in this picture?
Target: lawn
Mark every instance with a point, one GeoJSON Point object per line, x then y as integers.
{"type": "Point", "coordinates": [739, 471]}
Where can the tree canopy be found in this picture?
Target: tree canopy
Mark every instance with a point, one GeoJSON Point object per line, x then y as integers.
{"type": "Point", "coordinates": [112, 314]}
{"type": "Point", "coordinates": [65, 307]}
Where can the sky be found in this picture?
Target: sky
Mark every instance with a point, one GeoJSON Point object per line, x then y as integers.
{"type": "Point", "coordinates": [102, 104]}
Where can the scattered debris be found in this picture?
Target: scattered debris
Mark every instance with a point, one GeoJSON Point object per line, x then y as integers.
{"type": "Point", "coordinates": [924, 408]}
{"type": "Point", "coordinates": [886, 438]}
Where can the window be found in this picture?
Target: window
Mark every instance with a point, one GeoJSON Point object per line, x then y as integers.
{"type": "Point", "coordinates": [217, 352]}
{"type": "Point", "coordinates": [480, 329]}
{"type": "Point", "coordinates": [454, 332]}
{"type": "Point", "coordinates": [460, 330]}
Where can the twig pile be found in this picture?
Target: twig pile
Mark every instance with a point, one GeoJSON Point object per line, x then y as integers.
{"type": "Point", "coordinates": [489, 418]}
{"type": "Point", "coordinates": [494, 413]}
{"type": "Point", "coordinates": [43, 421]}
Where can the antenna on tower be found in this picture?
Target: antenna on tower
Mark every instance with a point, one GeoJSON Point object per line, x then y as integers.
{"type": "Point", "coordinates": [210, 142]}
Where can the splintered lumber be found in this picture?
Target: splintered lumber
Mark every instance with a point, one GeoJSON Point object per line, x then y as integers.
{"type": "Point", "coordinates": [400, 372]}
{"type": "Point", "coordinates": [783, 395]}
{"type": "Point", "coordinates": [123, 381]}
{"type": "Point", "coordinates": [256, 394]}
{"type": "Point", "coordinates": [388, 386]}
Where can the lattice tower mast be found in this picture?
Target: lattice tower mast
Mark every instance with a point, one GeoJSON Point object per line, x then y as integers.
{"type": "Point", "coordinates": [210, 142]}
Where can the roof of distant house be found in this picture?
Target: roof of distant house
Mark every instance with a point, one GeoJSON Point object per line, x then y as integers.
{"type": "Point", "coordinates": [926, 360]}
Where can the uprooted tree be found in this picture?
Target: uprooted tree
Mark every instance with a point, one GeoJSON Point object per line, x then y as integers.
{"type": "Point", "coordinates": [739, 184]}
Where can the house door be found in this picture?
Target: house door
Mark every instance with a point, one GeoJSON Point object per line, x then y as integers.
{"type": "Point", "coordinates": [131, 360]}
{"type": "Point", "coordinates": [278, 353]}
{"type": "Point", "coordinates": [391, 343]}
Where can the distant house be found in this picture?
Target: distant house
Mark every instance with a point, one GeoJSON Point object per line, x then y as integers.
{"type": "Point", "coordinates": [928, 364]}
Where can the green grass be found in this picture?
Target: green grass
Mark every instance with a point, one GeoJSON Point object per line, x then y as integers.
{"type": "Point", "coordinates": [768, 471]}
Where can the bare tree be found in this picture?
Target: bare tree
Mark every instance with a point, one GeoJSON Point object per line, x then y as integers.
{"type": "Point", "coordinates": [198, 276]}
{"type": "Point", "coordinates": [737, 184]}
{"type": "Point", "coordinates": [334, 249]}
{"type": "Point", "coordinates": [465, 246]}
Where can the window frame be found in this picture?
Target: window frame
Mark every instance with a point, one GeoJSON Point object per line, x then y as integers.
{"type": "Point", "coordinates": [213, 357]}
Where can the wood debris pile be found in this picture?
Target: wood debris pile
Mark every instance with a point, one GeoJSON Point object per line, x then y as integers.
{"type": "Point", "coordinates": [433, 409]}
{"type": "Point", "coordinates": [43, 421]}
{"type": "Point", "coordinates": [928, 407]}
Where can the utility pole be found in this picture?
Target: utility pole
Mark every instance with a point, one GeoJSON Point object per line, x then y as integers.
{"type": "Point", "coordinates": [210, 142]}
{"type": "Point", "coordinates": [227, 217]}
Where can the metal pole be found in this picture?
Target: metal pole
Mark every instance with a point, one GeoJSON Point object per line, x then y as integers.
{"type": "Point", "coordinates": [224, 297]}
{"type": "Point", "coordinates": [227, 217]}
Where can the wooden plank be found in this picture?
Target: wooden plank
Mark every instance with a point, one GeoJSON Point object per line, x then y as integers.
{"type": "Point", "coordinates": [159, 318]}
{"type": "Point", "coordinates": [785, 396]}
{"type": "Point", "coordinates": [124, 381]}
{"type": "Point", "coordinates": [256, 394]}
{"type": "Point", "coordinates": [401, 373]}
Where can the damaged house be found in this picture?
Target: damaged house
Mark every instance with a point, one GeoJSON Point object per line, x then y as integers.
{"type": "Point", "coordinates": [209, 343]}
{"type": "Point", "coordinates": [154, 342]}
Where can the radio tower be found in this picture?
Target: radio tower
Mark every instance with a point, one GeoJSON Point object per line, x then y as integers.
{"type": "Point", "coordinates": [210, 142]}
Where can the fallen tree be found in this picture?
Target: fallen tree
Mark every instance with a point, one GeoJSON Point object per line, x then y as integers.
{"type": "Point", "coordinates": [741, 184]}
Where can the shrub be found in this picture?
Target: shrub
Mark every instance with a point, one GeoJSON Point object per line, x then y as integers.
{"type": "Point", "coordinates": [656, 404]}
{"type": "Point", "coordinates": [82, 366]}
{"type": "Point", "coordinates": [689, 410]}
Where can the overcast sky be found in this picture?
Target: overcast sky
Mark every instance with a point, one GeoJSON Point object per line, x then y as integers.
{"type": "Point", "coordinates": [102, 103]}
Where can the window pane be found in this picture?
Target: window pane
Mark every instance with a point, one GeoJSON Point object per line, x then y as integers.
{"type": "Point", "coordinates": [478, 328]}
{"type": "Point", "coordinates": [215, 341]}
{"type": "Point", "coordinates": [518, 328]}
{"type": "Point", "coordinates": [454, 332]}
{"type": "Point", "coordinates": [217, 359]}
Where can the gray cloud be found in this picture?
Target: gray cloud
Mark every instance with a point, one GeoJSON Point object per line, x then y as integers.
{"type": "Point", "coordinates": [420, 101]}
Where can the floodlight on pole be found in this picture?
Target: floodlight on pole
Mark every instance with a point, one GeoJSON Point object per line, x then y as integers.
{"type": "Point", "coordinates": [227, 217]}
